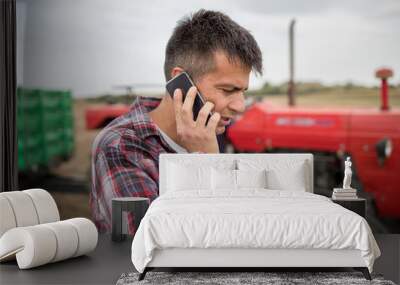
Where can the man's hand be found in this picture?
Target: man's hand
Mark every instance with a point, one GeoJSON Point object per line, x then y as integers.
{"type": "Point", "coordinates": [195, 135]}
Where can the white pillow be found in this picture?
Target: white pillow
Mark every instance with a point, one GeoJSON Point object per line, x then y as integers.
{"type": "Point", "coordinates": [183, 177]}
{"type": "Point", "coordinates": [292, 179]}
{"type": "Point", "coordinates": [282, 174]}
{"type": "Point", "coordinates": [223, 179]}
{"type": "Point", "coordinates": [251, 178]}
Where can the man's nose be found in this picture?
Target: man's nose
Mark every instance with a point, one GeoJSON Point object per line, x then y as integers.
{"type": "Point", "coordinates": [237, 105]}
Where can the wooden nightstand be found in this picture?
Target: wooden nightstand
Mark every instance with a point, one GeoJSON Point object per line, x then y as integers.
{"type": "Point", "coordinates": [358, 205]}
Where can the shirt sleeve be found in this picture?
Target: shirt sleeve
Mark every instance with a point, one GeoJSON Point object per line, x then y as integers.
{"type": "Point", "coordinates": [117, 174]}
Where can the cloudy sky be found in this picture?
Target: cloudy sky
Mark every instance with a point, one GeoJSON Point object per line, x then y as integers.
{"type": "Point", "coordinates": [91, 46]}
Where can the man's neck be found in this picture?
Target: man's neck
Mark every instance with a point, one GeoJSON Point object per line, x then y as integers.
{"type": "Point", "coordinates": [164, 117]}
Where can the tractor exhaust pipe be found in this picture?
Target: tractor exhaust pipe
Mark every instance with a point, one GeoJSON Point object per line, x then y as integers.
{"type": "Point", "coordinates": [291, 63]}
{"type": "Point", "coordinates": [384, 74]}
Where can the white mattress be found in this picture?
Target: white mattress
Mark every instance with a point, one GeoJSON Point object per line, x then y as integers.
{"type": "Point", "coordinates": [252, 218]}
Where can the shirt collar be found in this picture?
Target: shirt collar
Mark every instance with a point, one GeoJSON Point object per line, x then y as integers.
{"type": "Point", "coordinates": [142, 123]}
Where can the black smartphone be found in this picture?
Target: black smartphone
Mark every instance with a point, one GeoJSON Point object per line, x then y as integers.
{"type": "Point", "coordinates": [184, 82]}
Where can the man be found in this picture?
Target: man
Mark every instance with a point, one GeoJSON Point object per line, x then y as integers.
{"type": "Point", "coordinates": [219, 55]}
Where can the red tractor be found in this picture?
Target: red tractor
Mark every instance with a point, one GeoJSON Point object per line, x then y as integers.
{"type": "Point", "coordinates": [99, 116]}
{"type": "Point", "coordinates": [370, 136]}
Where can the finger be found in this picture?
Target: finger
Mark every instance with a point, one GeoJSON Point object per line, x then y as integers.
{"type": "Point", "coordinates": [187, 106]}
{"type": "Point", "coordinates": [213, 122]}
{"type": "Point", "coordinates": [177, 97]}
{"type": "Point", "coordinates": [203, 113]}
{"type": "Point", "coordinates": [178, 104]}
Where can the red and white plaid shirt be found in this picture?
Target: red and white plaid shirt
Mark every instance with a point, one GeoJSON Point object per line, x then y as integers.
{"type": "Point", "coordinates": [125, 161]}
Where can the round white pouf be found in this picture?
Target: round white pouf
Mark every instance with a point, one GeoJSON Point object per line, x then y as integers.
{"type": "Point", "coordinates": [87, 234]}
{"type": "Point", "coordinates": [33, 246]}
{"type": "Point", "coordinates": [7, 218]}
{"type": "Point", "coordinates": [67, 239]}
{"type": "Point", "coordinates": [23, 208]}
{"type": "Point", "coordinates": [45, 205]}
{"type": "Point", "coordinates": [40, 244]}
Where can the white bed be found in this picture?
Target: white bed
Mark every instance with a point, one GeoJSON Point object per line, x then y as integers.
{"type": "Point", "coordinates": [214, 223]}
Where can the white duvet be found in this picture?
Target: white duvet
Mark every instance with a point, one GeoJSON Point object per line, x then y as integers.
{"type": "Point", "coordinates": [251, 218]}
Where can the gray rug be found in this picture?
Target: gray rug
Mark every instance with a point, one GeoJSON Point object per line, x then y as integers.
{"type": "Point", "coordinates": [226, 278]}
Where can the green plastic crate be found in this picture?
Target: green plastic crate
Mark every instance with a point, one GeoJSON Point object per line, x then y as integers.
{"type": "Point", "coordinates": [52, 119]}
{"type": "Point", "coordinates": [68, 121]}
{"type": "Point", "coordinates": [45, 127]}
{"type": "Point", "coordinates": [29, 124]}
{"type": "Point", "coordinates": [66, 101]}
{"type": "Point", "coordinates": [28, 100]}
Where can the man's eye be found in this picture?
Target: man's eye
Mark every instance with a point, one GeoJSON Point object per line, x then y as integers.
{"type": "Point", "coordinates": [228, 90]}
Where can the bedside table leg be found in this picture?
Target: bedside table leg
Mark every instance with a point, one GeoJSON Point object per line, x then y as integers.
{"type": "Point", "coordinates": [116, 229]}
{"type": "Point", "coordinates": [364, 271]}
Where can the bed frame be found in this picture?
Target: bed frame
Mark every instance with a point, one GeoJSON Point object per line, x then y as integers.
{"type": "Point", "coordinates": [242, 259]}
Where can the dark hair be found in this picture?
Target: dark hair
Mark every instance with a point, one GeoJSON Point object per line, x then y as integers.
{"type": "Point", "coordinates": [198, 36]}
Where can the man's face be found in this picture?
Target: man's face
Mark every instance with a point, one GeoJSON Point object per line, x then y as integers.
{"type": "Point", "coordinates": [225, 87]}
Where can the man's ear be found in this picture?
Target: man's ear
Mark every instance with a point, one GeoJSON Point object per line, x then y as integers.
{"type": "Point", "coordinates": [176, 70]}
